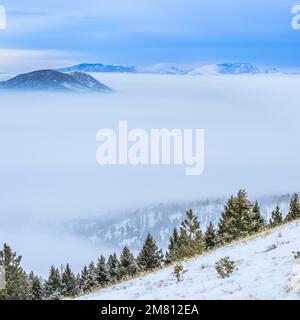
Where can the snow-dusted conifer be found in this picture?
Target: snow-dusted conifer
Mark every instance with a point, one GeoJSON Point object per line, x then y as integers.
{"type": "Point", "coordinates": [294, 211]}
{"type": "Point", "coordinates": [102, 272]}
{"type": "Point", "coordinates": [128, 265]}
{"type": "Point", "coordinates": [150, 257]}
{"type": "Point", "coordinates": [190, 239]}
{"type": "Point", "coordinates": [17, 282]}
{"type": "Point", "coordinates": [113, 265]}
{"type": "Point", "coordinates": [276, 218]}
{"type": "Point", "coordinates": [210, 237]}
{"type": "Point", "coordinates": [53, 286]}
{"type": "Point", "coordinates": [69, 282]}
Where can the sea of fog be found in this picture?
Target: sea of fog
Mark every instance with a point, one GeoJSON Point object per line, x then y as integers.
{"type": "Point", "coordinates": [48, 169]}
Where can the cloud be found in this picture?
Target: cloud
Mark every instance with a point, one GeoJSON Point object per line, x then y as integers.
{"type": "Point", "coordinates": [17, 60]}
{"type": "Point", "coordinates": [149, 31]}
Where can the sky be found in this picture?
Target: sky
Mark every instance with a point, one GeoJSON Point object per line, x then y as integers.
{"type": "Point", "coordinates": [145, 32]}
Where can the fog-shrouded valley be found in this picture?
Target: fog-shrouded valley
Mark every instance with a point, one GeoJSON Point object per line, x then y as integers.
{"type": "Point", "coordinates": [58, 205]}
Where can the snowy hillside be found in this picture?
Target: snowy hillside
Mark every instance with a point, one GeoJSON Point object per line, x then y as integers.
{"type": "Point", "coordinates": [54, 81]}
{"type": "Point", "coordinates": [131, 228]}
{"type": "Point", "coordinates": [266, 269]}
{"type": "Point", "coordinates": [230, 68]}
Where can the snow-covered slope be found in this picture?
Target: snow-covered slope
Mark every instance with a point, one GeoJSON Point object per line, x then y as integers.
{"type": "Point", "coordinates": [266, 269]}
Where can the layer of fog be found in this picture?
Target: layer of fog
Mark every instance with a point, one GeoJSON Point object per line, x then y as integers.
{"type": "Point", "coordinates": [48, 169]}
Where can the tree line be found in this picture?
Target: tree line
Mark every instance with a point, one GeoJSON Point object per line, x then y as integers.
{"type": "Point", "coordinates": [240, 218]}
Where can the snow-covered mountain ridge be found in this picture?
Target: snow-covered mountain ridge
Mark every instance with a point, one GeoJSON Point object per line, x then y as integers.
{"type": "Point", "coordinates": [131, 227]}
{"type": "Point", "coordinates": [266, 269]}
{"type": "Point", "coordinates": [164, 68]}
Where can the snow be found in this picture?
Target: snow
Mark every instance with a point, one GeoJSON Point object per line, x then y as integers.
{"type": "Point", "coordinates": [266, 269]}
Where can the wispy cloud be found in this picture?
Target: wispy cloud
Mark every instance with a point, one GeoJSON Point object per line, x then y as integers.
{"type": "Point", "coordinates": [17, 60]}
{"type": "Point", "coordinates": [150, 31]}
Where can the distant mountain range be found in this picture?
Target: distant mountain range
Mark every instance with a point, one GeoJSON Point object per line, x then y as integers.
{"type": "Point", "coordinates": [214, 69]}
{"type": "Point", "coordinates": [230, 68]}
{"type": "Point", "coordinates": [52, 80]}
{"type": "Point", "coordinates": [98, 67]}
{"type": "Point", "coordinates": [76, 79]}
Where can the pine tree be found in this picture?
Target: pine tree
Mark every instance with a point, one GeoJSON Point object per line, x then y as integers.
{"type": "Point", "coordinates": [237, 218]}
{"type": "Point", "coordinates": [53, 286]}
{"type": "Point", "coordinates": [294, 211]}
{"type": "Point", "coordinates": [17, 282]}
{"type": "Point", "coordinates": [92, 276]}
{"type": "Point", "coordinates": [276, 219]}
{"type": "Point", "coordinates": [150, 257]}
{"type": "Point", "coordinates": [173, 253]}
{"type": "Point", "coordinates": [102, 275]}
{"type": "Point", "coordinates": [84, 280]}
{"type": "Point", "coordinates": [128, 265]}
{"type": "Point", "coordinates": [113, 265]}
{"type": "Point", "coordinates": [36, 287]}
{"type": "Point", "coordinates": [210, 237]}
{"type": "Point", "coordinates": [258, 220]}
{"type": "Point", "coordinates": [69, 283]}
{"type": "Point", "coordinates": [190, 240]}
{"type": "Point", "coordinates": [168, 260]}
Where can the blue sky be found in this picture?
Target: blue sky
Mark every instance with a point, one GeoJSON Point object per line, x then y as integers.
{"type": "Point", "coordinates": [146, 32]}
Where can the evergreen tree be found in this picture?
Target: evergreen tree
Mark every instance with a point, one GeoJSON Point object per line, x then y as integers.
{"type": "Point", "coordinates": [92, 277]}
{"type": "Point", "coordinates": [84, 280]}
{"type": "Point", "coordinates": [174, 247]}
{"type": "Point", "coordinates": [168, 260]}
{"type": "Point", "coordinates": [150, 257]}
{"type": "Point", "coordinates": [210, 237]}
{"type": "Point", "coordinates": [236, 219]}
{"type": "Point", "coordinates": [276, 219]}
{"type": "Point", "coordinates": [69, 283]}
{"type": "Point", "coordinates": [190, 239]}
{"type": "Point", "coordinates": [294, 211]}
{"type": "Point", "coordinates": [36, 287]}
{"type": "Point", "coordinates": [102, 275]}
{"type": "Point", "coordinates": [17, 282]}
{"type": "Point", "coordinates": [128, 265]}
{"type": "Point", "coordinates": [258, 220]}
{"type": "Point", "coordinates": [53, 286]}
{"type": "Point", "coordinates": [113, 265]}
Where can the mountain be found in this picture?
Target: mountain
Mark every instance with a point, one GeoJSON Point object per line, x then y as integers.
{"type": "Point", "coordinates": [54, 81]}
{"type": "Point", "coordinates": [230, 68]}
{"type": "Point", "coordinates": [265, 269]}
{"type": "Point", "coordinates": [131, 228]}
{"type": "Point", "coordinates": [161, 68]}
{"type": "Point", "coordinates": [165, 68]}
{"type": "Point", "coordinates": [225, 68]}
{"type": "Point", "coordinates": [5, 76]}
{"type": "Point", "coordinates": [88, 81]}
{"type": "Point", "coordinates": [98, 67]}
